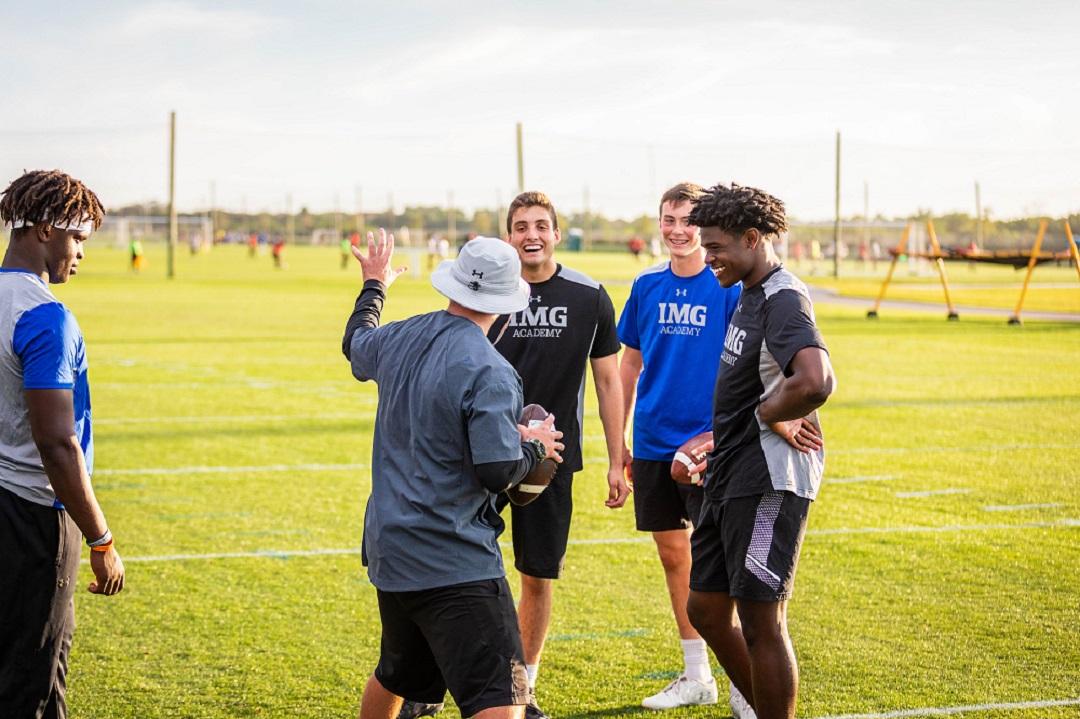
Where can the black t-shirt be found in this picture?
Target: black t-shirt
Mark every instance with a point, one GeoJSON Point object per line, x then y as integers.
{"type": "Point", "coordinates": [774, 320]}
{"type": "Point", "coordinates": [569, 319]}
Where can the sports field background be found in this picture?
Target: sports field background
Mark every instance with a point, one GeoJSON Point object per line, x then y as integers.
{"type": "Point", "coordinates": [940, 567]}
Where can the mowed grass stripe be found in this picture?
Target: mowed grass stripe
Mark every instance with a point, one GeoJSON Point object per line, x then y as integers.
{"type": "Point", "coordinates": [335, 551]}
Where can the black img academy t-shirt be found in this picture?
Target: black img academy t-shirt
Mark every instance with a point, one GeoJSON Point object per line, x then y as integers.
{"type": "Point", "coordinates": [773, 321]}
{"type": "Point", "coordinates": [569, 319]}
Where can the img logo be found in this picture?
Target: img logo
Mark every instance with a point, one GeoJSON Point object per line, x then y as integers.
{"type": "Point", "coordinates": [681, 318]}
{"type": "Point", "coordinates": [539, 321]}
{"type": "Point", "coordinates": [733, 345]}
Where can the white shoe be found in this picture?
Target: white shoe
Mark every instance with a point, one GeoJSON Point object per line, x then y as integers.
{"type": "Point", "coordinates": [740, 708]}
{"type": "Point", "coordinates": [684, 691]}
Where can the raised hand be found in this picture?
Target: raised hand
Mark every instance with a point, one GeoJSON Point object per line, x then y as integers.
{"type": "Point", "coordinates": [376, 265]}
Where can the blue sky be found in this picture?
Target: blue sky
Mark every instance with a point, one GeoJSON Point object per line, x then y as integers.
{"type": "Point", "coordinates": [417, 100]}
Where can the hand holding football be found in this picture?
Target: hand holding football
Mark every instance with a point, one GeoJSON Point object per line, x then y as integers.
{"type": "Point", "coordinates": [534, 416]}
{"type": "Point", "coordinates": [688, 467]}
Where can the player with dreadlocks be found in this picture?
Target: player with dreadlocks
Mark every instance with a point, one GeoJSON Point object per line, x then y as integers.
{"type": "Point", "coordinates": [768, 458]}
{"type": "Point", "coordinates": [46, 444]}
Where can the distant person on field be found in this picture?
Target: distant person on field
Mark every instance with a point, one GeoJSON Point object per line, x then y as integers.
{"type": "Point", "coordinates": [277, 249]}
{"type": "Point", "coordinates": [47, 504]}
{"type": "Point", "coordinates": [672, 327]}
{"type": "Point", "coordinates": [446, 443]}
{"type": "Point", "coordinates": [635, 244]}
{"type": "Point", "coordinates": [138, 259]}
{"type": "Point", "coordinates": [767, 463]}
{"type": "Point", "coordinates": [253, 244]}
{"type": "Point", "coordinates": [344, 245]}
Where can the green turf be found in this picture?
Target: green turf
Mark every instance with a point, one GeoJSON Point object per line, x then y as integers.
{"type": "Point", "coordinates": [901, 601]}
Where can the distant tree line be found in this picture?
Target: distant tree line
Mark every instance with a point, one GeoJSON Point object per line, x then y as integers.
{"type": "Point", "coordinates": [598, 231]}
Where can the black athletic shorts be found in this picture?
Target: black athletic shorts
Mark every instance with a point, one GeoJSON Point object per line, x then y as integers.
{"type": "Point", "coordinates": [660, 503]}
{"type": "Point", "coordinates": [39, 565]}
{"type": "Point", "coordinates": [748, 547]}
{"type": "Point", "coordinates": [541, 528]}
{"type": "Point", "coordinates": [463, 638]}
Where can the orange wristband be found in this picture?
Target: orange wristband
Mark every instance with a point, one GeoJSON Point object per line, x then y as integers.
{"type": "Point", "coordinates": [102, 547]}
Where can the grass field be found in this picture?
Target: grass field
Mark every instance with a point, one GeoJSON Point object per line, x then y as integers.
{"type": "Point", "coordinates": [940, 568]}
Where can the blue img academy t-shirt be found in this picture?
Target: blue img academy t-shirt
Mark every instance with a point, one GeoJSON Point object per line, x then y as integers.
{"type": "Point", "coordinates": [41, 347]}
{"type": "Point", "coordinates": [678, 325]}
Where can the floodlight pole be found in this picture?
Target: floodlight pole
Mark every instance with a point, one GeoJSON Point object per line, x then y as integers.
{"type": "Point", "coordinates": [978, 217]}
{"type": "Point", "coordinates": [290, 221]}
{"type": "Point", "coordinates": [169, 269]}
{"type": "Point", "coordinates": [586, 234]}
{"type": "Point", "coordinates": [836, 224]}
{"type": "Point", "coordinates": [451, 221]}
{"type": "Point", "coordinates": [520, 162]}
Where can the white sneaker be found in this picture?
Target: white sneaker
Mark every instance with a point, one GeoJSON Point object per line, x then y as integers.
{"type": "Point", "coordinates": [684, 691]}
{"type": "Point", "coordinates": [740, 708]}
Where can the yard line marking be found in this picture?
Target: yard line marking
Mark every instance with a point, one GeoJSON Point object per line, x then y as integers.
{"type": "Point", "coordinates": [227, 469]}
{"type": "Point", "coordinates": [950, 711]}
{"type": "Point", "coordinates": [865, 478]}
{"type": "Point", "coordinates": [931, 493]}
{"type": "Point", "coordinates": [287, 553]}
{"type": "Point", "coordinates": [238, 418]}
{"type": "Point", "coordinates": [959, 448]}
{"type": "Point", "coordinates": [1019, 507]}
{"type": "Point", "coordinates": [916, 529]}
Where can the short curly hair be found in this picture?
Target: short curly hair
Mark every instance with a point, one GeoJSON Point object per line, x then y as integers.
{"type": "Point", "coordinates": [736, 209]}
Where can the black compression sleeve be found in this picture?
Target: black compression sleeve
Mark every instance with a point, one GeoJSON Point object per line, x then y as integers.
{"type": "Point", "coordinates": [499, 476]}
{"type": "Point", "coordinates": [366, 312]}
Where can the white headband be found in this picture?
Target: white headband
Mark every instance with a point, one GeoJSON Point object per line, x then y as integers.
{"type": "Point", "coordinates": [84, 228]}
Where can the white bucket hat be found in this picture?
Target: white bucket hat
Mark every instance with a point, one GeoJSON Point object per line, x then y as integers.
{"type": "Point", "coordinates": [485, 277]}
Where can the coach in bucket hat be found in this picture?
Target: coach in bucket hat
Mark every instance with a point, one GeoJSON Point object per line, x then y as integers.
{"type": "Point", "coordinates": [485, 277]}
{"type": "Point", "coordinates": [446, 443]}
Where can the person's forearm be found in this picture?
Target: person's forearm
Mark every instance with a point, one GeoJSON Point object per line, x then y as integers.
{"type": "Point", "coordinates": [366, 312]}
{"type": "Point", "coordinates": [66, 469]}
{"type": "Point", "coordinates": [609, 397]}
{"type": "Point", "coordinates": [628, 376]}
{"type": "Point", "coordinates": [500, 476]}
{"type": "Point", "coordinates": [795, 397]}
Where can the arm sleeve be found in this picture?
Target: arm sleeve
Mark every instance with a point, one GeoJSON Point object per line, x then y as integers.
{"type": "Point", "coordinates": [362, 335]}
{"type": "Point", "coordinates": [491, 412]}
{"type": "Point", "coordinates": [46, 340]}
{"type": "Point", "coordinates": [628, 331]}
{"type": "Point", "coordinates": [500, 476]}
{"type": "Point", "coordinates": [789, 327]}
{"type": "Point", "coordinates": [365, 313]}
{"type": "Point", "coordinates": [606, 341]}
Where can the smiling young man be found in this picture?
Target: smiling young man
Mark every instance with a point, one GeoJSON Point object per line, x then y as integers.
{"type": "Point", "coordinates": [673, 328]}
{"type": "Point", "coordinates": [569, 323]}
{"type": "Point", "coordinates": [767, 463]}
{"type": "Point", "coordinates": [46, 446]}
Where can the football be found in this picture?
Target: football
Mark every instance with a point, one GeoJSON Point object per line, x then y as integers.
{"type": "Point", "coordinates": [539, 478]}
{"type": "Point", "coordinates": [688, 467]}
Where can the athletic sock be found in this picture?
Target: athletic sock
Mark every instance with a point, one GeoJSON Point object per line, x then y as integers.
{"type": "Point", "coordinates": [696, 657]}
{"type": "Point", "coordinates": [532, 670]}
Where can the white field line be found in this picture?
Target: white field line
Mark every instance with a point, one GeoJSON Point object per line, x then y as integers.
{"type": "Point", "coordinates": [231, 419]}
{"type": "Point", "coordinates": [230, 469]}
{"type": "Point", "coordinates": [865, 478]}
{"type": "Point", "coordinates": [287, 553]}
{"type": "Point", "coordinates": [1019, 507]}
{"type": "Point", "coordinates": [931, 493]}
{"type": "Point", "coordinates": [952, 711]}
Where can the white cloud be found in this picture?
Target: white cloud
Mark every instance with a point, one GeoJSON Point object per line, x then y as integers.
{"type": "Point", "coordinates": [167, 16]}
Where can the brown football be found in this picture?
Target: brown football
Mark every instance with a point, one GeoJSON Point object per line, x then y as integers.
{"type": "Point", "coordinates": [688, 467]}
{"type": "Point", "coordinates": [539, 478]}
